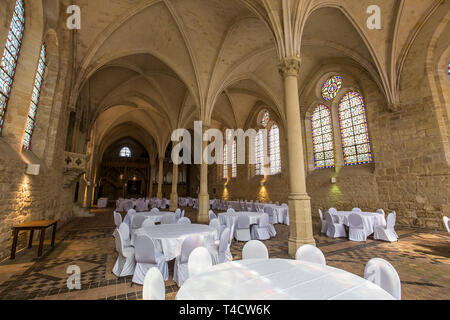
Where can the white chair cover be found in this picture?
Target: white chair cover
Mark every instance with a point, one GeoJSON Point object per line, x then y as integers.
{"type": "Point", "coordinates": [148, 223]}
{"type": "Point", "coordinates": [446, 223]}
{"type": "Point", "coordinates": [129, 216]}
{"type": "Point", "coordinates": [125, 262]}
{"type": "Point", "coordinates": [261, 230]}
{"type": "Point", "coordinates": [199, 261]}
{"type": "Point", "coordinates": [137, 221]}
{"type": "Point", "coordinates": [154, 211]}
{"type": "Point", "coordinates": [177, 214]}
{"type": "Point", "coordinates": [181, 272]}
{"type": "Point", "coordinates": [184, 220]}
{"type": "Point", "coordinates": [182, 214]}
{"type": "Point", "coordinates": [255, 249]}
{"type": "Point", "coordinates": [219, 254]}
{"type": "Point", "coordinates": [323, 222]}
{"type": "Point", "coordinates": [387, 233]}
{"type": "Point", "coordinates": [147, 257]}
{"type": "Point", "coordinates": [334, 230]}
{"type": "Point", "coordinates": [383, 274]}
{"type": "Point", "coordinates": [141, 206]}
{"type": "Point", "coordinates": [273, 218]}
{"type": "Point", "coordinates": [356, 210]}
{"type": "Point", "coordinates": [125, 233]}
{"type": "Point", "coordinates": [215, 223]}
{"type": "Point", "coordinates": [310, 253]}
{"type": "Point", "coordinates": [231, 210]}
{"type": "Point", "coordinates": [356, 228]}
{"type": "Point", "coordinates": [154, 287]}
{"type": "Point", "coordinates": [117, 219]}
{"type": "Point", "coordinates": [243, 228]}
{"type": "Point", "coordinates": [168, 218]}
{"type": "Point", "coordinates": [212, 215]}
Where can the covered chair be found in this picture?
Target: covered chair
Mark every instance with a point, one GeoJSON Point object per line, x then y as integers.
{"type": "Point", "coordinates": [273, 218]}
{"type": "Point", "coordinates": [255, 249]}
{"type": "Point", "coordinates": [126, 235]}
{"type": "Point", "coordinates": [212, 215]}
{"type": "Point", "coordinates": [219, 253]}
{"type": "Point", "coordinates": [168, 218]}
{"type": "Point", "coordinates": [323, 222]}
{"type": "Point", "coordinates": [334, 230]}
{"type": "Point", "coordinates": [177, 214]}
{"type": "Point", "coordinates": [147, 257]}
{"type": "Point", "coordinates": [231, 210]}
{"type": "Point", "coordinates": [184, 220]}
{"type": "Point", "coordinates": [215, 223]}
{"type": "Point", "coordinates": [387, 233]}
{"type": "Point", "coordinates": [137, 221]}
{"type": "Point", "coordinates": [125, 262]}
{"type": "Point", "coordinates": [243, 228]}
{"type": "Point", "coordinates": [199, 261]}
{"type": "Point", "coordinates": [181, 272]}
{"type": "Point", "coordinates": [117, 219]}
{"type": "Point", "coordinates": [148, 223]}
{"type": "Point", "coordinates": [310, 253]}
{"type": "Point", "coordinates": [356, 228]}
{"type": "Point", "coordinates": [129, 217]}
{"type": "Point", "coordinates": [154, 211]}
{"type": "Point", "coordinates": [154, 287]}
{"type": "Point", "coordinates": [446, 223]}
{"type": "Point", "coordinates": [261, 230]}
{"type": "Point", "coordinates": [182, 214]}
{"type": "Point", "coordinates": [356, 210]}
{"type": "Point", "coordinates": [141, 206]}
{"type": "Point", "coordinates": [384, 275]}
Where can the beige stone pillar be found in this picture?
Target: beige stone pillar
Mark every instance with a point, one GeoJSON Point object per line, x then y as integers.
{"type": "Point", "coordinates": [301, 231]}
{"type": "Point", "coordinates": [174, 194]}
{"type": "Point", "coordinates": [150, 189]}
{"type": "Point", "coordinates": [203, 196]}
{"type": "Point", "coordinates": [160, 178]}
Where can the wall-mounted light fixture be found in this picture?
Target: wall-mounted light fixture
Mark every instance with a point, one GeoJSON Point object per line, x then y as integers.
{"type": "Point", "coordinates": [333, 180]}
{"type": "Point", "coordinates": [33, 169]}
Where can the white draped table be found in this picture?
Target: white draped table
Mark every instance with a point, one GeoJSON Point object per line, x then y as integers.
{"type": "Point", "coordinates": [370, 219]}
{"type": "Point", "coordinates": [229, 219]}
{"type": "Point", "coordinates": [169, 237]}
{"type": "Point", "coordinates": [102, 203]}
{"type": "Point", "coordinates": [278, 279]}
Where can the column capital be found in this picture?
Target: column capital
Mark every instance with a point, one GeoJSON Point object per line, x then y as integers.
{"type": "Point", "coordinates": [289, 66]}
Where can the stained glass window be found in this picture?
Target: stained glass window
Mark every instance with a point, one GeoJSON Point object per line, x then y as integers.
{"type": "Point", "coordinates": [31, 120]}
{"type": "Point", "coordinates": [331, 88]}
{"type": "Point", "coordinates": [322, 133]}
{"type": "Point", "coordinates": [355, 136]}
{"type": "Point", "coordinates": [125, 152]}
{"type": "Point", "coordinates": [259, 154]}
{"type": "Point", "coordinates": [234, 160]}
{"type": "Point", "coordinates": [265, 119]}
{"type": "Point", "coordinates": [274, 143]}
{"type": "Point", "coordinates": [225, 165]}
{"type": "Point", "coordinates": [10, 57]}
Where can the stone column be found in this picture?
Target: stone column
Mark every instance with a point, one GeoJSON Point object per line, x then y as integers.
{"type": "Point", "coordinates": [203, 196]}
{"type": "Point", "coordinates": [150, 188]}
{"type": "Point", "coordinates": [174, 194]}
{"type": "Point", "coordinates": [160, 178]}
{"type": "Point", "coordinates": [301, 231]}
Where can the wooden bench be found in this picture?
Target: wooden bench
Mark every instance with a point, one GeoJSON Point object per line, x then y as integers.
{"type": "Point", "coordinates": [32, 226]}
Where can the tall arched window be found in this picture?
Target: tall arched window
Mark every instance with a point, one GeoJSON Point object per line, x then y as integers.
{"type": "Point", "coordinates": [225, 160]}
{"type": "Point", "coordinates": [31, 120]}
{"type": "Point", "coordinates": [125, 152]}
{"type": "Point", "coordinates": [10, 57]}
{"type": "Point", "coordinates": [322, 133]}
{"type": "Point", "coordinates": [234, 160]}
{"type": "Point", "coordinates": [355, 136]}
{"type": "Point", "coordinates": [259, 154]}
{"type": "Point", "coordinates": [274, 145]}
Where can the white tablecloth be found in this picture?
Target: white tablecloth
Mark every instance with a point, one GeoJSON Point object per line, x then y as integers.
{"type": "Point", "coordinates": [229, 219]}
{"type": "Point", "coordinates": [278, 279]}
{"type": "Point", "coordinates": [280, 212]}
{"type": "Point", "coordinates": [169, 237]}
{"type": "Point", "coordinates": [370, 219]}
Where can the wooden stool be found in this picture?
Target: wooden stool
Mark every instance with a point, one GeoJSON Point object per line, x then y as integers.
{"type": "Point", "coordinates": [32, 226]}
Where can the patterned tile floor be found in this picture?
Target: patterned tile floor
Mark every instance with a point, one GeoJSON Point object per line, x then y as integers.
{"type": "Point", "coordinates": [421, 259]}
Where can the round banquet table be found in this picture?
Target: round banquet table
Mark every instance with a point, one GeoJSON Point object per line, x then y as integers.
{"type": "Point", "coordinates": [156, 217]}
{"type": "Point", "coordinates": [169, 237]}
{"type": "Point", "coordinates": [278, 279]}
{"type": "Point", "coordinates": [370, 219]}
{"type": "Point", "coordinates": [228, 218]}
